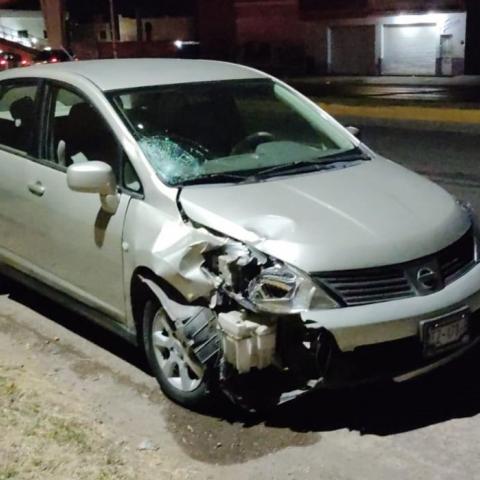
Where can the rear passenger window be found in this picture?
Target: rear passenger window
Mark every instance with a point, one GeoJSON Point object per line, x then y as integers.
{"type": "Point", "coordinates": [17, 115]}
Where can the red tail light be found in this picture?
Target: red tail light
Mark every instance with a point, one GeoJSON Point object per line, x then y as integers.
{"type": "Point", "coordinates": [54, 60]}
{"type": "Point", "coordinates": [3, 62]}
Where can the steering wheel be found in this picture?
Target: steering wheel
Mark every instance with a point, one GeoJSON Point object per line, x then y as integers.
{"type": "Point", "coordinates": [250, 143]}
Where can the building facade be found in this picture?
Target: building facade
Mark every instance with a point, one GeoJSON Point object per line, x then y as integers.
{"type": "Point", "coordinates": [152, 29]}
{"type": "Point", "coordinates": [385, 37]}
{"type": "Point", "coordinates": [26, 27]}
{"type": "Point", "coordinates": [354, 37]}
{"type": "Point", "coordinates": [269, 35]}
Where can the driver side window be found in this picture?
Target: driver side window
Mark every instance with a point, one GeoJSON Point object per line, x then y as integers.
{"type": "Point", "coordinates": [78, 133]}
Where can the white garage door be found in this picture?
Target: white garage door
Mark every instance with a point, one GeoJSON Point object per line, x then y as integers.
{"type": "Point", "coordinates": [409, 49]}
{"type": "Point", "coordinates": [352, 50]}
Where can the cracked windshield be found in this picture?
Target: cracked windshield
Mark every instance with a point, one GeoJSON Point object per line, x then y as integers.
{"type": "Point", "coordinates": [227, 131]}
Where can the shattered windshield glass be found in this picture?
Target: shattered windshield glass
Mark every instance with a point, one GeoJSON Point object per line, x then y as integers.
{"type": "Point", "coordinates": [227, 130]}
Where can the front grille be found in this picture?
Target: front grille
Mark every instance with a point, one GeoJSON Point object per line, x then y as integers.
{"type": "Point", "coordinates": [360, 287]}
{"type": "Point", "coordinates": [382, 284]}
{"type": "Point", "coordinates": [456, 258]}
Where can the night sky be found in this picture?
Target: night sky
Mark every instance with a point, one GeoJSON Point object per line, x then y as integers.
{"type": "Point", "coordinates": [83, 10]}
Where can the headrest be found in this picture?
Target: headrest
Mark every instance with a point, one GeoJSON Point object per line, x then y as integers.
{"type": "Point", "coordinates": [83, 114]}
{"type": "Point", "coordinates": [22, 108]}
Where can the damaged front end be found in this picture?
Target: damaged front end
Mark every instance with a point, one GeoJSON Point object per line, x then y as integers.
{"type": "Point", "coordinates": [244, 327]}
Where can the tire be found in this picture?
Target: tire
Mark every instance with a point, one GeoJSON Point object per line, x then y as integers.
{"type": "Point", "coordinates": [177, 381]}
{"type": "Point", "coordinates": [4, 286]}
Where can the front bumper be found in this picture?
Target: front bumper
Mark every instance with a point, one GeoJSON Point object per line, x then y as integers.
{"type": "Point", "coordinates": [396, 359]}
{"type": "Point", "coordinates": [353, 345]}
{"type": "Point", "coordinates": [356, 327]}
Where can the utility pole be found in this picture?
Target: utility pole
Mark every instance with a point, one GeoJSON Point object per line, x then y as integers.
{"type": "Point", "coordinates": [113, 29]}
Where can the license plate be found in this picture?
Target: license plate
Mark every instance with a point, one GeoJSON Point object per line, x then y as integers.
{"type": "Point", "coordinates": [446, 332]}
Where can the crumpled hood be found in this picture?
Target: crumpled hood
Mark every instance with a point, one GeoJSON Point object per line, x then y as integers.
{"type": "Point", "coordinates": [371, 214]}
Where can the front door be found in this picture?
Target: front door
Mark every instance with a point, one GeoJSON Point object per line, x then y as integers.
{"type": "Point", "coordinates": [73, 240]}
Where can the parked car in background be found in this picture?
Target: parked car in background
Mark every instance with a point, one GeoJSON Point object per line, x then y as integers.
{"type": "Point", "coordinates": [10, 60]}
{"type": "Point", "coordinates": [53, 56]}
{"type": "Point", "coordinates": [217, 218]}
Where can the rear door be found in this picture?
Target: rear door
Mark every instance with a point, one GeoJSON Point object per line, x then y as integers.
{"type": "Point", "coordinates": [19, 123]}
{"type": "Point", "coordinates": [72, 239]}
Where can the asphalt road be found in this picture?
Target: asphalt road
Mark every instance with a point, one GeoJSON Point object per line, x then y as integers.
{"type": "Point", "coordinates": [451, 159]}
{"type": "Point", "coordinates": [423, 429]}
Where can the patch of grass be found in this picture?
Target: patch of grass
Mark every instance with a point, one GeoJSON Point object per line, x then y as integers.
{"type": "Point", "coordinates": [7, 473]}
{"type": "Point", "coordinates": [34, 427]}
{"type": "Point", "coordinates": [104, 475]}
{"type": "Point", "coordinates": [8, 387]}
{"type": "Point", "coordinates": [67, 432]}
{"type": "Point", "coordinates": [41, 438]}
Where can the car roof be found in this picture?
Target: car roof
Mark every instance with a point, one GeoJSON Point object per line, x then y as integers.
{"type": "Point", "coordinates": [133, 73]}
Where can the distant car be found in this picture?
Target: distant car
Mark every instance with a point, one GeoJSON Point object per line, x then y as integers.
{"type": "Point", "coordinates": [9, 60]}
{"type": "Point", "coordinates": [52, 56]}
{"type": "Point", "coordinates": [224, 222]}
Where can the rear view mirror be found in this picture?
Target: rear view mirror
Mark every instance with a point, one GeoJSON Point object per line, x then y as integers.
{"type": "Point", "coordinates": [95, 177]}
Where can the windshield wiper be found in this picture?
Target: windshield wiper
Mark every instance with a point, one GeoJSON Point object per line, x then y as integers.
{"type": "Point", "coordinates": [319, 163]}
{"type": "Point", "coordinates": [220, 177]}
{"type": "Point", "coordinates": [350, 156]}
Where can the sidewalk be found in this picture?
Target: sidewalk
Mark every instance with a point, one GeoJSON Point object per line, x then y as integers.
{"type": "Point", "coordinates": [412, 80]}
{"type": "Point", "coordinates": [406, 113]}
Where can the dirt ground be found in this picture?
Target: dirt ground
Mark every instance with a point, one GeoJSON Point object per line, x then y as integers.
{"type": "Point", "coordinates": [78, 403]}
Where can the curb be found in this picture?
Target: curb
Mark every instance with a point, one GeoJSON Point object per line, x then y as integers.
{"type": "Point", "coordinates": [407, 113]}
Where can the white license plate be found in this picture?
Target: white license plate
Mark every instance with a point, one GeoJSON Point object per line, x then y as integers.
{"type": "Point", "coordinates": [446, 332]}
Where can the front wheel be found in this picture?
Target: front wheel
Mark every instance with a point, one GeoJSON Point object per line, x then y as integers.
{"type": "Point", "coordinates": [3, 285]}
{"type": "Point", "coordinates": [168, 361]}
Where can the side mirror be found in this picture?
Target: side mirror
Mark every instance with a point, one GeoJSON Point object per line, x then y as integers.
{"type": "Point", "coordinates": [355, 131]}
{"type": "Point", "coordinates": [95, 177]}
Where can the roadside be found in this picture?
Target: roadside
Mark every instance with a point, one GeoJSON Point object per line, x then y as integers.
{"type": "Point", "coordinates": [397, 80]}
{"type": "Point", "coordinates": [437, 119]}
{"type": "Point", "coordinates": [439, 103]}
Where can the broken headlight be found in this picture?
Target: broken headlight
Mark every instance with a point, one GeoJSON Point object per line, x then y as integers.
{"type": "Point", "coordinates": [282, 289]}
{"type": "Point", "coordinates": [262, 283]}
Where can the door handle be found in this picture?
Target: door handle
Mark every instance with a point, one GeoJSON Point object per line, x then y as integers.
{"type": "Point", "coordinates": [36, 188]}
